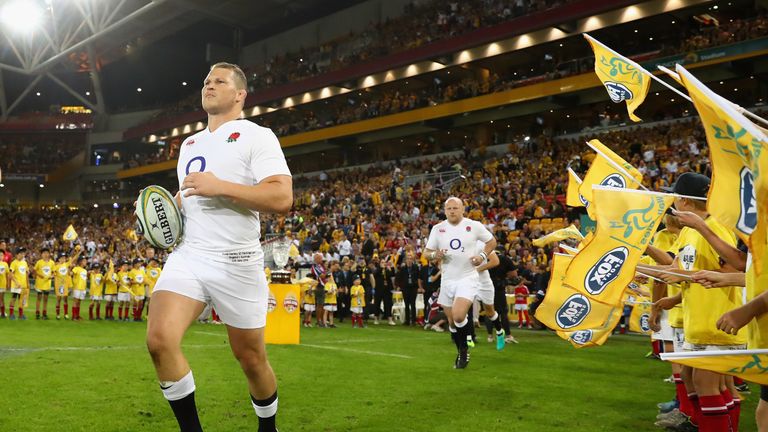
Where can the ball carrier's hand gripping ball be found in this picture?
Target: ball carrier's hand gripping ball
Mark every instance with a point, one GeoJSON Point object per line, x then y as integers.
{"type": "Point", "coordinates": [159, 218]}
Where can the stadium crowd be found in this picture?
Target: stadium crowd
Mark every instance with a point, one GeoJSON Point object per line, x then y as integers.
{"type": "Point", "coordinates": [698, 35]}
{"type": "Point", "coordinates": [366, 221]}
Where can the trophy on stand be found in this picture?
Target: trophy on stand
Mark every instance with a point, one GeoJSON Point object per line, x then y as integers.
{"type": "Point", "coordinates": [280, 250]}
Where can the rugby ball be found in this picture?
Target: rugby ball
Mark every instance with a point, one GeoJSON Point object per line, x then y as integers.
{"type": "Point", "coordinates": [159, 219]}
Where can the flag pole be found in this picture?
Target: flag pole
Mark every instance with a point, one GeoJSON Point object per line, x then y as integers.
{"type": "Point", "coordinates": [675, 76]}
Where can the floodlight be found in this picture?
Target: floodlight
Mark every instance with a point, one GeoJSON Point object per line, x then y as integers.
{"type": "Point", "coordinates": [21, 16]}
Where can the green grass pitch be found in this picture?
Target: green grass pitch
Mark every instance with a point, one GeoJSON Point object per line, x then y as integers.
{"type": "Point", "coordinates": [97, 376]}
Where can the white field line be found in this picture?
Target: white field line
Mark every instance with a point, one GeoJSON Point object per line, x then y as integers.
{"type": "Point", "coordinates": [375, 353]}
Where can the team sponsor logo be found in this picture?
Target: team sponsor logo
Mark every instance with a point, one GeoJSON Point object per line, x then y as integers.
{"type": "Point", "coordinates": [606, 270]}
{"type": "Point", "coordinates": [583, 200]}
{"type": "Point", "coordinates": [618, 92]}
{"type": "Point", "coordinates": [190, 142]}
{"type": "Point", "coordinates": [582, 336]}
{"type": "Point", "coordinates": [46, 271]}
{"type": "Point", "coordinates": [573, 311]}
{"type": "Point", "coordinates": [645, 325]}
{"type": "Point", "coordinates": [614, 181]}
{"type": "Point", "coordinates": [748, 211]}
{"type": "Point", "coordinates": [441, 230]}
{"type": "Point", "coordinates": [271, 302]}
{"type": "Point", "coordinates": [63, 271]}
{"type": "Point", "coordinates": [290, 303]}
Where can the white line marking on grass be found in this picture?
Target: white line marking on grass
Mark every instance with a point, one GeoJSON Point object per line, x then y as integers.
{"type": "Point", "coordinates": [376, 353]}
{"type": "Point", "coordinates": [209, 333]}
{"type": "Point", "coordinates": [96, 348]}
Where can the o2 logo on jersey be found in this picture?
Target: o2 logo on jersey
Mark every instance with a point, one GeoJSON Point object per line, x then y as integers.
{"type": "Point", "coordinates": [271, 302]}
{"type": "Point", "coordinates": [290, 303]}
{"type": "Point", "coordinates": [573, 311]}
{"type": "Point", "coordinates": [618, 92]}
{"type": "Point", "coordinates": [195, 161]}
{"type": "Point", "coordinates": [645, 323]}
{"type": "Point", "coordinates": [455, 244]}
{"type": "Point", "coordinates": [748, 204]}
{"type": "Point", "coordinates": [606, 270]}
{"type": "Point", "coordinates": [614, 181]}
{"type": "Point", "coordinates": [582, 336]}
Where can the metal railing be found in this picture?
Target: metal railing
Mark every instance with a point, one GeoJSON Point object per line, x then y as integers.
{"type": "Point", "coordinates": [441, 180]}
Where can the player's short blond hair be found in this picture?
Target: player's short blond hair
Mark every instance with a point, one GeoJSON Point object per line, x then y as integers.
{"type": "Point", "coordinates": [241, 82]}
{"type": "Point", "coordinates": [454, 198]}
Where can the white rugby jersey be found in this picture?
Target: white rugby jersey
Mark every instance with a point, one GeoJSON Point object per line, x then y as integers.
{"type": "Point", "coordinates": [239, 151]}
{"type": "Point", "coordinates": [460, 243]}
{"type": "Point", "coordinates": [485, 275]}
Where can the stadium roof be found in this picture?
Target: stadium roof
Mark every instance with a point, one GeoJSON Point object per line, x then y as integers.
{"type": "Point", "coordinates": [47, 46]}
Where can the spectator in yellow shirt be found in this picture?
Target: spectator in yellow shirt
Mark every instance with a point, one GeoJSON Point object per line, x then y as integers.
{"type": "Point", "coordinates": [19, 281]}
{"type": "Point", "coordinates": [43, 279]}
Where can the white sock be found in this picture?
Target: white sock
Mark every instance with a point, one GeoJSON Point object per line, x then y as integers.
{"type": "Point", "coordinates": [460, 324]}
{"type": "Point", "coordinates": [267, 410]}
{"type": "Point", "coordinates": [495, 316]}
{"type": "Point", "coordinates": [175, 390]}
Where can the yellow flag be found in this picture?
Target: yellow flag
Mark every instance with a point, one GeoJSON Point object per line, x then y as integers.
{"type": "Point", "coordinates": [564, 308]}
{"type": "Point", "coordinates": [69, 234]}
{"type": "Point", "coordinates": [750, 365]}
{"type": "Point", "coordinates": [131, 235]}
{"type": "Point", "coordinates": [757, 329]}
{"type": "Point", "coordinates": [587, 239]}
{"type": "Point", "coordinates": [570, 232]}
{"type": "Point", "coordinates": [572, 197]}
{"type": "Point", "coordinates": [624, 79]}
{"type": "Point", "coordinates": [639, 319]}
{"type": "Point", "coordinates": [738, 196]}
{"type": "Point", "coordinates": [608, 169]}
{"type": "Point", "coordinates": [626, 222]}
{"type": "Point", "coordinates": [593, 337]}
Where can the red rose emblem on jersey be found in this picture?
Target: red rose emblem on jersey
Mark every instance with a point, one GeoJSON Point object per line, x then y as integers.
{"type": "Point", "coordinates": [233, 137]}
{"type": "Point", "coordinates": [190, 142]}
{"type": "Point", "coordinates": [469, 229]}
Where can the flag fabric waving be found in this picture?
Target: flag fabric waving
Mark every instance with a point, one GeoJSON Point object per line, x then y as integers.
{"type": "Point", "coordinates": [69, 234]}
{"type": "Point", "coordinates": [572, 197]}
{"type": "Point", "coordinates": [608, 169]}
{"type": "Point", "coordinates": [626, 222]}
{"type": "Point", "coordinates": [738, 196]}
{"type": "Point", "coordinates": [624, 80]}
{"type": "Point", "coordinates": [564, 308]}
{"type": "Point", "coordinates": [750, 365]}
{"type": "Point", "coordinates": [570, 232]}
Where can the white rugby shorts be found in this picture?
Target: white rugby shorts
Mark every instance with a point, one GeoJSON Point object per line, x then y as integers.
{"type": "Point", "coordinates": [666, 333]}
{"type": "Point", "coordinates": [78, 294]}
{"type": "Point", "coordinates": [485, 292]}
{"type": "Point", "coordinates": [330, 307]}
{"type": "Point", "coordinates": [15, 290]}
{"type": "Point", "coordinates": [123, 296]}
{"type": "Point", "coordinates": [520, 307]}
{"type": "Point", "coordinates": [95, 298]}
{"type": "Point", "coordinates": [466, 288]}
{"type": "Point", "coordinates": [356, 309]}
{"type": "Point", "coordinates": [110, 297]}
{"type": "Point", "coordinates": [237, 290]}
{"type": "Point", "coordinates": [309, 307]}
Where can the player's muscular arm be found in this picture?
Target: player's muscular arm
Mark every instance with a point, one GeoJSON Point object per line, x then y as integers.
{"type": "Point", "coordinates": [274, 194]}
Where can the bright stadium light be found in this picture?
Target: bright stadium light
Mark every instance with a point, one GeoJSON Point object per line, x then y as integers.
{"type": "Point", "coordinates": [22, 16]}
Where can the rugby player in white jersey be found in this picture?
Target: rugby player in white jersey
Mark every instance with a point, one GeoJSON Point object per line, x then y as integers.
{"type": "Point", "coordinates": [454, 241]}
{"type": "Point", "coordinates": [228, 173]}
{"type": "Point", "coordinates": [485, 294]}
